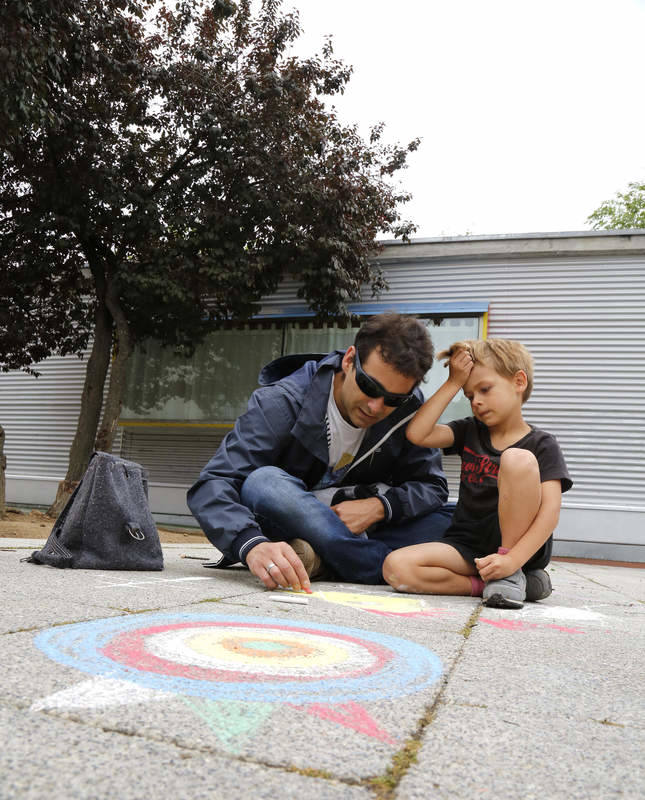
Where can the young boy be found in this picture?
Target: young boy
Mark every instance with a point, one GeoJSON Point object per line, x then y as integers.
{"type": "Point", "coordinates": [512, 479]}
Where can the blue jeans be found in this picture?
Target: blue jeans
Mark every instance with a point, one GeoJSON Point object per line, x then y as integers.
{"type": "Point", "coordinates": [286, 509]}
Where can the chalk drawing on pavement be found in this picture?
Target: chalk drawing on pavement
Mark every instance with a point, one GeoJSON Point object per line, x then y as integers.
{"type": "Point", "coordinates": [544, 617]}
{"type": "Point", "coordinates": [232, 670]}
{"type": "Point", "coordinates": [537, 612]}
{"type": "Point", "coordinates": [386, 604]}
{"type": "Point", "coordinates": [100, 692]}
{"type": "Point", "coordinates": [520, 625]}
{"type": "Point", "coordinates": [233, 722]}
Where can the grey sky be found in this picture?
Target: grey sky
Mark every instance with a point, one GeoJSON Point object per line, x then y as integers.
{"type": "Point", "coordinates": [531, 114]}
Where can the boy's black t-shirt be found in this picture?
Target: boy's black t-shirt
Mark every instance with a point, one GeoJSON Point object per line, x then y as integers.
{"type": "Point", "coordinates": [478, 494]}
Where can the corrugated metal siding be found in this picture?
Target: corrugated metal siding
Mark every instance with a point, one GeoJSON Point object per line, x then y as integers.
{"type": "Point", "coordinates": [452, 468]}
{"type": "Point", "coordinates": [583, 318]}
{"type": "Point", "coordinates": [39, 416]}
{"type": "Point", "coordinates": [171, 455]}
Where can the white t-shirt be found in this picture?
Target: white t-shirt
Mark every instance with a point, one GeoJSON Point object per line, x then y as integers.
{"type": "Point", "coordinates": [343, 439]}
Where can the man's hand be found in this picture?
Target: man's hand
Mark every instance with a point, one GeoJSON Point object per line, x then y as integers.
{"type": "Point", "coordinates": [287, 569]}
{"type": "Point", "coordinates": [496, 566]}
{"type": "Point", "coordinates": [358, 515]}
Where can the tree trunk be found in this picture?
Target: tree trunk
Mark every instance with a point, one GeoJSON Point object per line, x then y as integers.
{"type": "Point", "coordinates": [114, 401]}
{"type": "Point", "coordinates": [91, 402]}
{"type": "Point", "coordinates": [3, 467]}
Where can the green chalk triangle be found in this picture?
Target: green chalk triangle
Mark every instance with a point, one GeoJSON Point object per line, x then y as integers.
{"type": "Point", "coordinates": [233, 722]}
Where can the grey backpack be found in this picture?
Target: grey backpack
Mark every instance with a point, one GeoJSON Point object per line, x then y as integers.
{"type": "Point", "coordinates": [106, 523]}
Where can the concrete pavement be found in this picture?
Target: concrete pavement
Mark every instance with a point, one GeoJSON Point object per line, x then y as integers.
{"type": "Point", "coordinates": [198, 683]}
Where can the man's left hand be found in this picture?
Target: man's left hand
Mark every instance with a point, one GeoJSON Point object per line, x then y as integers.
{"type": "Point", "coordinates": [358, 515]}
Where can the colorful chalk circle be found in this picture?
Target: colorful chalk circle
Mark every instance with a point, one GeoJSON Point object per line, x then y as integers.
{"type": "Point", "coordinates": [251, 659]}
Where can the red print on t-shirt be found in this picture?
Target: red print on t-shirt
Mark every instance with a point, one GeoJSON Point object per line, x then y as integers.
{"type": "Point", "coordinates": [475, 467]}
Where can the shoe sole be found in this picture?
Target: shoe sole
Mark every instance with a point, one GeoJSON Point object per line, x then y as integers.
{"type": "Point", "coordinates": [499, 601]}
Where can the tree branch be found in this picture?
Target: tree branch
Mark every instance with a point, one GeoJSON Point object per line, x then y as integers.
{"type": "Point", "coordinates": [173, 169]}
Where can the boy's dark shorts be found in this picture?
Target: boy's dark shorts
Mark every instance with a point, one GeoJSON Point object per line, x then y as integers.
{"type": "Point", "coordinates": [478, 538]}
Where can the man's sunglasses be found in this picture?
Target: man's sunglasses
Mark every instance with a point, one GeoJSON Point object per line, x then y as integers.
{"type": "Point", "coordinates": [372, 388]}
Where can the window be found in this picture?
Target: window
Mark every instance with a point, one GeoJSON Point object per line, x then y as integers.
{"type": "Point", "coordinates": [212, 388]}
{"type": "Point", "coordinates": [448, 331]}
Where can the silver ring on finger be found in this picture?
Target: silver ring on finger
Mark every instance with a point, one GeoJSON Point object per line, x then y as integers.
{"type": "Point", "coordinates": [269, 567]}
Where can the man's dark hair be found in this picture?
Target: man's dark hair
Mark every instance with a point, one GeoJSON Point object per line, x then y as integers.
{"type": "Point", "coordinates": [402, 342]}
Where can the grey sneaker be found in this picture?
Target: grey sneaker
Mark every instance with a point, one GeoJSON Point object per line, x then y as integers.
{"type": "Point", "coordinates": [506, 592]}
{"type": "Point", "coordinates": [310, 559]}
{"type": "Point", "coordinates": [538, 585]}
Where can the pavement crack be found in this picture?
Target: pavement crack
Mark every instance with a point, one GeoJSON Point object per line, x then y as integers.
{"type": "Point", "coordinates": [594, 581]}
{"type": "Point", "coordinates": [42, 627]}
{"type": "Point", "coordinates": [384, 786]}
{"type": "Point", "coordinates": [471, 622]}
{"type": "Point", "coordinates": [608, 722]}
{"type": "Point", "coordinates": [190, 750]}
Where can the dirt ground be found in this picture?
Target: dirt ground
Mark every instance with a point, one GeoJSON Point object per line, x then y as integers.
{"type": "Point", "coordinates": [35, 525]}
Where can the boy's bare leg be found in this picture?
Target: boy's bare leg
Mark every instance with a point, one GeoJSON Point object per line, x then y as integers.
{"type": "Point", "coordinates": [520, 494]}
{"type": "Point", "coordinates": [433, 568]}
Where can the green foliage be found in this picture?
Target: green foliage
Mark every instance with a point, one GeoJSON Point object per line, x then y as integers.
{"type": "Point", "coordinates": [40, 315]}
{"type": "Point", "coordinates": [183, 155]}
{"type": "Point", "coordinates": [625, 211]}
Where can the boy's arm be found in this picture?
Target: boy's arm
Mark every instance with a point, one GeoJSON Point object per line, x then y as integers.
{"type": "Point", "coordinates": [496, 566]}
{"type": "Point", "coordinates": [423, 429]}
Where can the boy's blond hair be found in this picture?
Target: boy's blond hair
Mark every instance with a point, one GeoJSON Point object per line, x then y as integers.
{"type": "Point", "coordinates": [505, 356]}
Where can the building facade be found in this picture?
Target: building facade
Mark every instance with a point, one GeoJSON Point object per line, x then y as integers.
{"type": "Point", "coordinates": [577, 300]}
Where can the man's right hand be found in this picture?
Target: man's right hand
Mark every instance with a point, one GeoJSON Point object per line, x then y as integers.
{"type": "Point", "coordinates": [287, 570]}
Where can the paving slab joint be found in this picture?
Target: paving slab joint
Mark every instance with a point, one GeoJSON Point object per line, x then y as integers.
{"type": "Point", "coordinates": [596, 582]}
{"type": "Point", "coordinates": [385, 786]}
{"type": "Point", "coordinates": [309, 772]}
{"type": "Point", "coordinates": [608, 722]}
{"type": "Point", "coordinates": [471, 622]}
{"type": "Point", "coordinates": [40, 627]}
{"type": "Point", "coordinates": [22, 630]}
{"type": "Point", "coordinates": [186, 751]}
{"type": "Point", "coordinates": [233, 598]}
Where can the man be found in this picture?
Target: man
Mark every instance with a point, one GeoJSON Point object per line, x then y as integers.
{"type": "Point", "coordinates": [318, 474]}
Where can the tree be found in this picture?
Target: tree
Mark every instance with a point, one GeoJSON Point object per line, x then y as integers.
{"type": "Point", "coordinates": [39, 47]}
{"type": "Point", "coordinates": [41, 311]}
{"type": "Point", "coordinates": [625, 211]}
{"type": "Point", "coordinates": [186, 158]}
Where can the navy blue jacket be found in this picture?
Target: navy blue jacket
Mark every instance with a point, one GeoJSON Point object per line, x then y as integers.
{"type": "Point", "coordinates": [284, 426]}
